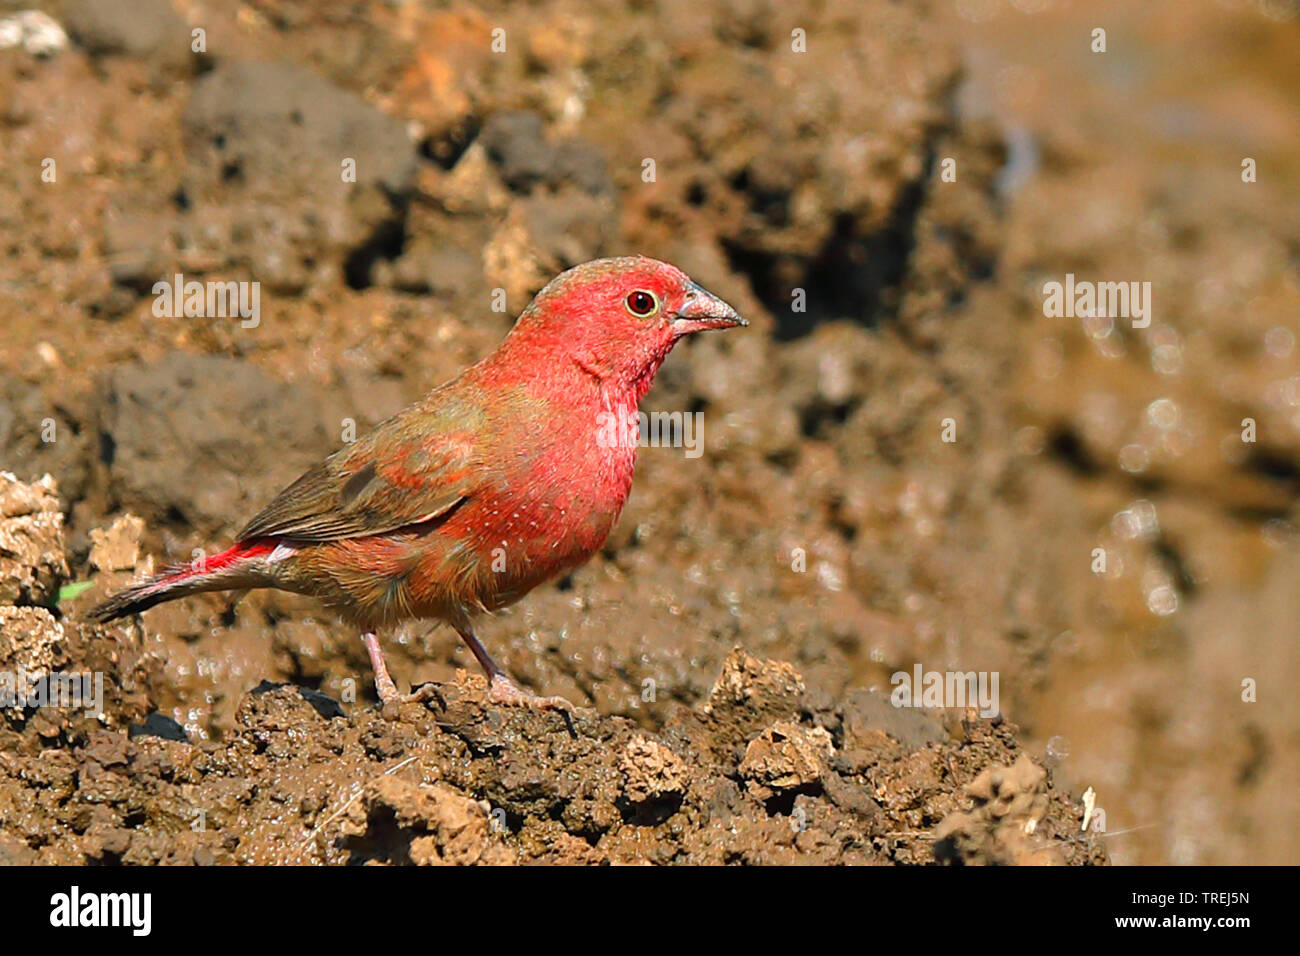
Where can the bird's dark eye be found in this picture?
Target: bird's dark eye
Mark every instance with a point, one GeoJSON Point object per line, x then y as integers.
{"type": "Point", "coordinates": [641, 303]}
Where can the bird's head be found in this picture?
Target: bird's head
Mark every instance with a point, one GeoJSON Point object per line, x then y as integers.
{"type": "Point", "coordinates": [619, 318]}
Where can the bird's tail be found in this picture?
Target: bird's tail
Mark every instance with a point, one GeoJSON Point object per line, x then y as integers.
{"type": "Point", "coordinates": [237, 567]}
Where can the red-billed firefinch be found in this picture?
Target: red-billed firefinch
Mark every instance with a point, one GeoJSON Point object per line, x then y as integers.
{"type": "Point", "coordinates": [493, 483]}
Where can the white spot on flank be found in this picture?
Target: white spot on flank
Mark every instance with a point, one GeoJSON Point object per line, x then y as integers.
{"type": "Point", "coordinates": [282, 551]}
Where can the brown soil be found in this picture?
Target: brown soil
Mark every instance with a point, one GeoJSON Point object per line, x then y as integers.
{"type": "Point", "coordinates": [827, 530]}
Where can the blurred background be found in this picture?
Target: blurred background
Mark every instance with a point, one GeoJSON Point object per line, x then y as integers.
{"type": "Point", "coordinates": [766, 148]}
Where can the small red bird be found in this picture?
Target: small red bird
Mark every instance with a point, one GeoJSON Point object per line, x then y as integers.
{"type": "Point", "coordinates": [493, 483]}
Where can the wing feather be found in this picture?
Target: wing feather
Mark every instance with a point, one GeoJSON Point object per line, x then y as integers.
{"type": "Point", "coordinates": [412, 469]}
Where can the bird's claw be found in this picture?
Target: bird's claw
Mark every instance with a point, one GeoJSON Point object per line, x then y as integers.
{"type": "Point", "coordinates": [503, 691]}
{"type": "Point", "coordinates": [390, 701]}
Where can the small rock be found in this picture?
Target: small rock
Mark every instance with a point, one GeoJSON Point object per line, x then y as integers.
{"type": "Point", "coordinates": [295, 161]}
{"type": "Point", "coordinates": [434, 826]}
{"type": "Point", "coordinates": [323, 704]}
{"type": "Point", "coordinates": [135, 247]}
{"type": "Point", "coordinates": [32, 562]}
{"type": "Point", "coordinates": [579, 162]}
{"type": "Point", "coordinates": [144, 29]}
{"type": "Point", "coordinates": [118, 547]}
{"type": "Point", "coordinates": [1010, 802]}
{"type": "Point", "coordinates": [568, 227]}
{"type": "Point", "coordinates": [28, 636]}
{"type": "Point", "coordinates": [425, 267]}
{"type": "Point", "coordinates": [515, 143]}
{"type": "Point", "coordinates": [247, 433]}
{"type": "Point", "coordinates": [36, 32]}
{"type": "Point", "coordinates": [651, 771]}
{"type": "Point", "coordinates": [746, 682]}
{"type": "Point", "coordinates": [19, 498]}
{"type": "Point", "coordinates": [787, 756]}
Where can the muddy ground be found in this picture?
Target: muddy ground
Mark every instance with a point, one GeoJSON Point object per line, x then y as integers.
{"type": "Point", "coordinates": [734, 641]}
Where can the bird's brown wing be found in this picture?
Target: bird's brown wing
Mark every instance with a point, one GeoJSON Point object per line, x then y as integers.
{"type": "Point", "coordinates": [412, 469]}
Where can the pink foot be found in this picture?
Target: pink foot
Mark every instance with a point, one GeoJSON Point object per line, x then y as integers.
{"type": "Point", "coordinates": [384, 686]}
{"type": "Point", "coordinates": [504, 692]}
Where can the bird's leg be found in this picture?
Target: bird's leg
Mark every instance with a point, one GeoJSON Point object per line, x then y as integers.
{"type": "Point", "coordinates": [502, 690]}
{"type": "Point", "coordinates": [384, 685]}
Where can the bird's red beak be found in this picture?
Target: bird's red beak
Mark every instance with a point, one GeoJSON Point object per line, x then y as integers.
{"type": "Point", "coordinates": [702, 310]}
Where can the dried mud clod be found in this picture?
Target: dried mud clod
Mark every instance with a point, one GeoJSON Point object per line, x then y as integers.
{"type": "Point", "coordinates": [32, 562]}
{"type": "Point", "coordinates": [785, 758]}
{"type": "Point", "coordinates": [28, 638]}
{"type": "Point", "coordinates": [43, 652]}
{"type": "Point", "coordinates": [400, 821]}
{"type": "Point", "coordinates": [1011, 803]}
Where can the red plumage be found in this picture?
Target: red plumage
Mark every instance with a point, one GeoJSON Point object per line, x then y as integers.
{"type": "Point", "coordinates": [488, 486]}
